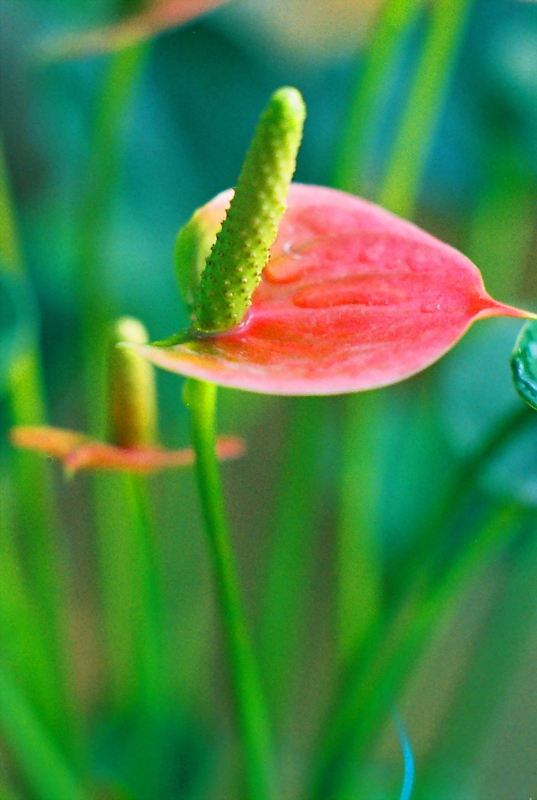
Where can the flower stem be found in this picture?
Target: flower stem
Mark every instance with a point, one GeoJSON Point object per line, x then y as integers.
{"type": "Point", "coordinates": [379, 669]}
{"type": "Point", "coordinates": [428, 538]}
{"type": "Point", "coordinates": [200, 397]}
{"type": "Point", "coordinates": [396, 18]}
{"type": "Point", "coordinates": [359, 590]}
{"type": "Point", "coordinates": [130, 592]}
{"type": "Point", "coordinates": [290, 569]}
{"type": "Point", "coordinates": [42, 601]}
{"type": "Point", "coordinates": [96, 302]}
{"type": "Point", "coordinates": [44, 767]}
{"type": "Point", "coordinates": [422, 110]}
{"type": "Point", "coordinates": [492, 668]}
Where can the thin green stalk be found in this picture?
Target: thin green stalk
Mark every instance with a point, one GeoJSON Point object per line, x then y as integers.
{"type": "Point", "coordinates": [5, 792]}
{"type": "Point", "coordinates": [44, 768]}
{"type": "Point", "coordinates": [151, 634]}
{"type": "Point", "coordinates": [413, 580]}
{"type": "Point", "coordinates": [429, 537]}
{"type": "Point", "coordinates": [395, 20]}
{"type": "Point", "coordinates": [22, 641]}
{"type": "Point", "coordinates": [260, 777]}
{"type": "Point", "coordinates": [378, 672]}
{"type": "Point", "coordinates": [45, 604]}
{"type": "Point", "coordinates": [152, 685]}
{"type": "Point", "coordinates": [290, 562]}
{"type": "Point", "coordinates": [399, 192]}
{"type": "Point", "coordinates": [97, 306]}
{"type": "Point", "coordinates": [132, 618]}
{"type": "Point", "coordinates": [492, 665]}
{"type": "Point", "coordinates": [502, 227]}
{"type": "Point", "coordinates": [423, 107]}
{"type": "Point", "coordinates": [359, 571]}
{"type": "Point", "coordinates": [117, 514]}
{"type": "Point", "coordinates": [10, 253]}
{"type": "Point", "coordinates": [115, 520]}
{"type": "Point", "coordinates": [130, 592]}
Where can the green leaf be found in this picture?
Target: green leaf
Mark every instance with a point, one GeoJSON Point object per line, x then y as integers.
{"type": "Point", "coordinates": [524, 364]}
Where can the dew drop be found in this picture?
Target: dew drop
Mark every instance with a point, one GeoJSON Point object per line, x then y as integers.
{"type": "Point", "coordinates": [287, 248]}
{"type": "Point", "coordinates": [285, 267]}
{"type": "Point", "coordinates": [430, 308]}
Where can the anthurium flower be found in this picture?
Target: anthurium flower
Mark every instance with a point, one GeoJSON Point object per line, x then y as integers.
{"type": "Point", "coordinates": [78, 452]}
{"type": "Point", "coordinates": [155, 16]}
{"type": "Point", "coordinates": [352, 298]}
{"type": "Point", "coordinates": [132, 420]}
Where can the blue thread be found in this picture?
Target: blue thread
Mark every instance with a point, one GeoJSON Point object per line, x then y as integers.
{"type": "Point", "coordinates": [408, 758]}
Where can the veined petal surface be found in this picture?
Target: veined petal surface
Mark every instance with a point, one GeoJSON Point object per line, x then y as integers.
{"type": "Point", "coordinates": [352, 298]}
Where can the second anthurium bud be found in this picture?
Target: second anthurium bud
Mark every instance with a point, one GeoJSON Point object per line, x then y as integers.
{"type": "Point", "coordinates": [132, 404]}
{"type": "Point", "coordinates": [131, 444]}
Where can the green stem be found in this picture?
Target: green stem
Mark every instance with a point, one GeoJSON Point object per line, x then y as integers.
{"type": "Point", "coordinates": [150, 643]}
{"type": "Point", "coordinates": [423, 107]}
{"type": "Point", "coordinates": [115, 521]}
{"type": "Point", "coordinates": [44, 588]}
{"type": "Point", "coordinates": [151, 634]}
{"type": "Point", "coordinates": [399, 193]}
{"type": "Point", "coordinates": [359, 571]}
{"type": "Point", "coordinates": [252, 719]}
{"type": "Point", "coordinates": [22, 641]}
{"type": "Point", "coordinates": [430, 536]}
{"type": "Point", "coordinates": [395, 20]}
{"type": "Point", "coordinates": [502, 226]}
{"type": "Point", "coordinates": [291, 554]}
{"type": "Point", "coordinates": [133, 625]}
{"type": "Point", "coordinates": [491, 667]}
{"type": "Point", "coordinates": [129, 587]}
{"type": "Point", "coordinates": [10, 251]}
{"type": "Point", "coordinates": [43, 766]}
{"type": "Point", "coordinates": [97, 306]}
{"type": "Point", "coordinates": [366, 664]}
{"type": "Point", "coordinates": [378, 671]}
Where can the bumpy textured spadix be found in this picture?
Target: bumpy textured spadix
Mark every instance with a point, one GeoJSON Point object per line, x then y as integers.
{"type": "Point", "coordinates": [352, 298]}
{"type": "Point", "coordinates": [233, 269]}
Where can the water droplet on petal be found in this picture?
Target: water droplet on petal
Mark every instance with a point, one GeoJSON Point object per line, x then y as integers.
{"type": "Point", "coordinates": [430, 308]}
{"type": "Point", "coordinates": [285, 267]}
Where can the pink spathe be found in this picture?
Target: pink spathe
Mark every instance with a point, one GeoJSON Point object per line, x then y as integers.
{"type": "Point", "coordinates": [352, 298]}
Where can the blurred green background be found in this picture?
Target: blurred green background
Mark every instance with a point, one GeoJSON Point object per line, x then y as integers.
{"type": "Point", "coordinates": [181, 140]}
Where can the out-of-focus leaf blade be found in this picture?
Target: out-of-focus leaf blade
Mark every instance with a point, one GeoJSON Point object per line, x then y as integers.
{"type": "Point", "coordinates": [17, 321]}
